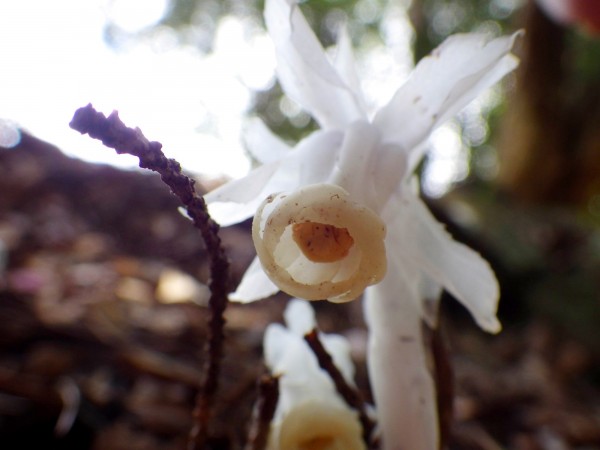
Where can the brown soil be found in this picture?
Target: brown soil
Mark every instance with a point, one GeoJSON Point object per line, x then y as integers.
{"type": "Point", "coordinates": [98, 350]}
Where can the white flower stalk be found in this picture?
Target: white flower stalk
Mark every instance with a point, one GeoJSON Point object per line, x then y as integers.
{"type": "Point", "coordinates": [310, 414]}
{"type": "Point", "coordinates": [371, 158]}
{"type": "Point", "coordinates": [317, 244]}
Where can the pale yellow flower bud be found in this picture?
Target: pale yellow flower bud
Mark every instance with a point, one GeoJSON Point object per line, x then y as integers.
{"type": "Point", "coordinates": [316, 243]}
{"type": "Point", "coordinates": [317, 425]}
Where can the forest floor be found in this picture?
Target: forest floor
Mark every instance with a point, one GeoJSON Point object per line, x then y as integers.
{"type": "Point", "coordinates": [103, 312]}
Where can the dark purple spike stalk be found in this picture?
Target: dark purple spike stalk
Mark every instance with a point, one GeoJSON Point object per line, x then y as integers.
{"type": "Point", "coordinates": [114, 134]}
{"type": "Point", "coordinates": [348, 393]}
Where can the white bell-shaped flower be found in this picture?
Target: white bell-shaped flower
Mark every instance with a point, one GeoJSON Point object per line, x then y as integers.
{"type": "Point", "coordinates": [316, 243]}
{"type": "Point", "coordinates": [318, 425]}
{"type": "Point", "coordinates": [310, 414]}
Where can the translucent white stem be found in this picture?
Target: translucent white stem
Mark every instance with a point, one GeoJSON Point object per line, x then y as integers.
{"type": "Point", "coordinates": [398, 368]}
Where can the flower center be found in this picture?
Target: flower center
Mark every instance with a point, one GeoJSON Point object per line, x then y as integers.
{"type": "Point", "coordinates": [321, 242]}
{"type": "Point", "coordinates": [317, 243]}
{"type": "Point", "coordinates": [317, 443]}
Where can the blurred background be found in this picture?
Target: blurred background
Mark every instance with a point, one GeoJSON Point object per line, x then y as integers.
{"type": "Point", "coordinates": [92, 257]}
{"type": "Point", "coordinates": [195, 71]}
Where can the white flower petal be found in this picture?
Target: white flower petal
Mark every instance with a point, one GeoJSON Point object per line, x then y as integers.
{"type": "Point", "coordinates": [262, 144]}
{"type": "Point", "coordinates": [276, 344]}
{"type": "Point", "coordinates": [255, 285]}
{"type": "Point", "coordinates": [311, 161]}
{"type": "Point", "coordinates": [369, 170]}
{"type": "Point", "coordinates": [226, 214]}
{"type": "Point", "coordinates": [457, 71]}
{"type": "Point", "coordinates": [339, 349]}
{"type": "Point", "coordinates": [314, 157]}
{"type": "Point", "coordinates": [299, 317]}
{"type": "Point", "coordinates": [463, 272]}
{"type": "Point", "coordinates": [355, 163]}
{"type": "Point", "coordinates": [245, 193]}
{"type": "Point", "coordinates": [289, 356]}
{"type": "Point", "coordinates": [346, 66]}
{"type": "Point", "coordinates": [303, 69]}
{"type": "Point", "coordinates": [390, 171]}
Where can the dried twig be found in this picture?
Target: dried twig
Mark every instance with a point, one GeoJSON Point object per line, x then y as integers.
{"type": "Point", "coordinates": [114, 134]}
{"type": "Point", "coordinates": [350, 395]}
{"type": "Point", "coordinates": [264, 409]}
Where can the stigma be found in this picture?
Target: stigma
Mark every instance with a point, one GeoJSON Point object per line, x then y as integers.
{"type": "Point", "coordinates": [321, 242]}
